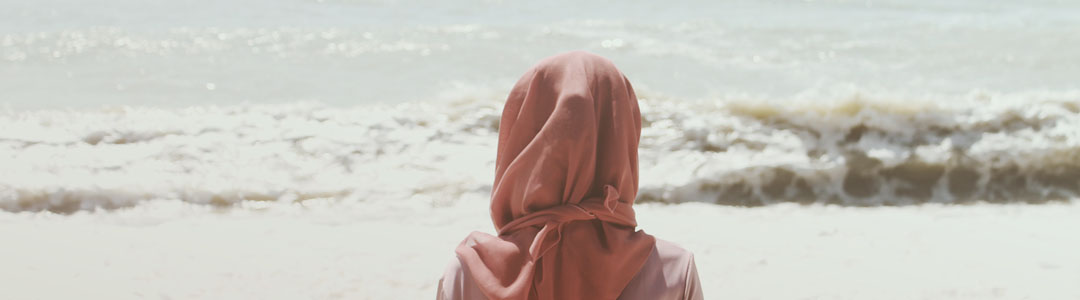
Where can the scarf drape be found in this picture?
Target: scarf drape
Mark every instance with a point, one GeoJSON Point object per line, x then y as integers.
{"type": "Point", "coordinates": [565, 180]}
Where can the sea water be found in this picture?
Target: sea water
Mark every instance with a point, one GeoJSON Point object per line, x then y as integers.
{"type": "Point", "coordinates": [109, 104]}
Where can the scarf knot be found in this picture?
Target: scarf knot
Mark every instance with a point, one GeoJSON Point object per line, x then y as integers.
{"type": "Point", "coordinates": [552, 219]}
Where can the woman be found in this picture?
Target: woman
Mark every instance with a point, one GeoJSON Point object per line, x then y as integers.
{"type": "Point", "coordinates": [565, 181]}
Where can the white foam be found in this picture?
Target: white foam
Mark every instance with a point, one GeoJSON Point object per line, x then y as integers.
{"type": "Point", "coordinates": [856, 150]}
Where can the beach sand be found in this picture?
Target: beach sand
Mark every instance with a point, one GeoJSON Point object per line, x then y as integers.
{"type": "Point", "coordinates": [397, 250]}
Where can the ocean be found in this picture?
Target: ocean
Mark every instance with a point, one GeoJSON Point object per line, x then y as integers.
{"type": "Point", "coordinates": [112, 104]}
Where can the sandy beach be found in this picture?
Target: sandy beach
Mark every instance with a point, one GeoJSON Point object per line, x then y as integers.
{"type": "Point", "coordinates": [178, 251]}
{"type": "Point", "coordinates": [341, 149]}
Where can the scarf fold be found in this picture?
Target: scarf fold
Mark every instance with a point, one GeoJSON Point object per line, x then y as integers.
{"type": "Point", "coordinates": [565, 182]}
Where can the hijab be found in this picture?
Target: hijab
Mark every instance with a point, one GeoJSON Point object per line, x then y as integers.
{"type": "Point", "coordinates": [566, 175]}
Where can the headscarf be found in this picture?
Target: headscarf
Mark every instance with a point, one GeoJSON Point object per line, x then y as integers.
{"type": "Point", "coordinates": [566, 175]}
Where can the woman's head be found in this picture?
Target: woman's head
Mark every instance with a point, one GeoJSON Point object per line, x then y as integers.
{"type": "Point", "coordinates": [565, 181]}
{"type": "Point", "coordinates": [569, 128]}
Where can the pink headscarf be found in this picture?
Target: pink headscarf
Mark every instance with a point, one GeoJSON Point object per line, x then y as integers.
{"type": "Point", "coordinates": [565, 180]}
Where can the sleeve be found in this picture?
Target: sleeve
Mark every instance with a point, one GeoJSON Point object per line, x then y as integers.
{"type": "Point", "coordinates": [693, 283]}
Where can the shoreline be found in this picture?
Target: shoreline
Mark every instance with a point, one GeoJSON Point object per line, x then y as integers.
{"type": "Point", "coordinates": [380, 250]}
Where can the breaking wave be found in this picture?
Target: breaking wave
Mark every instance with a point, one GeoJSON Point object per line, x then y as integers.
{"type": "Point", "coordinates": [851, 150]}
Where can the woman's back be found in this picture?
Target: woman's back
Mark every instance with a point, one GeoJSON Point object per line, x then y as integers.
{"type": "Point", "coordinates": [668, 274]}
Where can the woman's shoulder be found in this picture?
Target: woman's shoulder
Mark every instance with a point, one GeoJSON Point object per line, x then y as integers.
{"type": "Point", "coordinates": [668, 273]}
{"type": "Point", "coordinates": [672, 253]}
{"type": "Point", "coordinates": [457, 284]}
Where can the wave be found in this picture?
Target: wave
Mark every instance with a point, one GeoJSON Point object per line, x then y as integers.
{"type": "Point", "coordinates": [865, 151]}
{"type": "Point", "coordinates": [862, 150]}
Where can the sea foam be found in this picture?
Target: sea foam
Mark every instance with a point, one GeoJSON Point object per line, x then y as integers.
{"type": "Point", "coordinates": [861, 150]}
